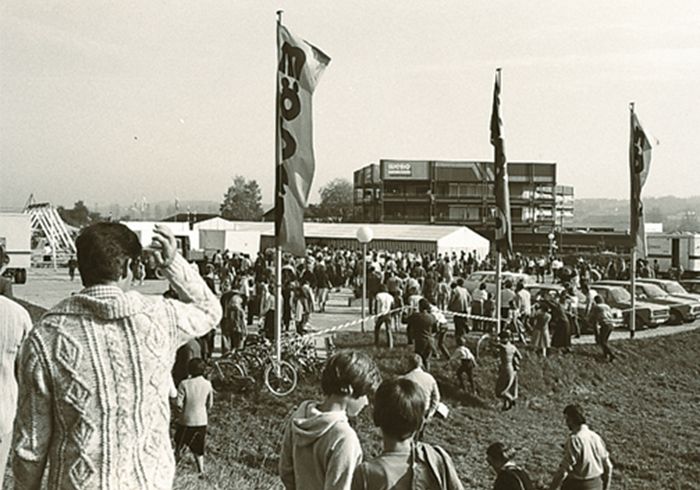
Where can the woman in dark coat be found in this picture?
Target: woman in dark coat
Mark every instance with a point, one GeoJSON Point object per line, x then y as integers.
{"type": "Point", "coordinates": [561, 335]}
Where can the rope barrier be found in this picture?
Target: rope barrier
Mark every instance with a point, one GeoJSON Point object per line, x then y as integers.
{"type": "Point", "coordinates": [451, 314]}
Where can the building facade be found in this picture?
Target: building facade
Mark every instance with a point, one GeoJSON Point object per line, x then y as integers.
{"type": "Point", "coordinates": [460, 193]}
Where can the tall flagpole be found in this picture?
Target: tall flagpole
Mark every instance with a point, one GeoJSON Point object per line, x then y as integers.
{"type": "Point", "coordinates": [278, 214]}
{"type": "Point", "coordinates": [633, 251]}
{"type": "Point", "coordinates": [498, 289]}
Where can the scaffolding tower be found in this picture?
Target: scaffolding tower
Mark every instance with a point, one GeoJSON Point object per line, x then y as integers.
{"type": "Point", "coordinates": [46, 220]}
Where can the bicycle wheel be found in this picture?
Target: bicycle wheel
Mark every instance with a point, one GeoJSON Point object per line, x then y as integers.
{"type": "Point", "coordinates": [284, 383]}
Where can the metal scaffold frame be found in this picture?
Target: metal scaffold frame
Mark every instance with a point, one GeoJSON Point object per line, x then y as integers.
{"type": "Point", "coordinates": [45, 219]}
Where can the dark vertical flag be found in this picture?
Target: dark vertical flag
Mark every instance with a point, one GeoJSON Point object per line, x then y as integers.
{"type": "Point", "coordinates": [640, 159]}
{"type": "Point", "coordinates": [504, 241]}
{"type": "Point", "coordinates": [299, 68]}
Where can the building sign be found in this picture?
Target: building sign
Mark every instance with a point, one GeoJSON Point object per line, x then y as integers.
{"type": "Point", "coordinates": [402, 170]}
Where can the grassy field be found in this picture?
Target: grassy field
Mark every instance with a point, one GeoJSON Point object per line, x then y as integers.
{"type": "Point", "coordinates": [645, 405]}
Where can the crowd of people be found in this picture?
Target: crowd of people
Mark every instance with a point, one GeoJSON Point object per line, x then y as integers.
{"type": "Point", "coordinates": [96, 382]}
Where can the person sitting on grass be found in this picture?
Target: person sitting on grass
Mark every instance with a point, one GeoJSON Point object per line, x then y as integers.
{"type": "Point", "coordinates": [404, 464]}
{"type": "Point", "coordinates": [509, 475]}
{"type": "Point", "coordinates": [320, 449]}
{"type": "Point", "coordinates": [466, 363]}
{"type": "Point", "coordinates": [195, 396]}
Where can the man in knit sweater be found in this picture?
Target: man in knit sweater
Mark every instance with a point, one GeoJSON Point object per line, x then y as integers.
{"type": "Point", "coordinates": [94, 376]}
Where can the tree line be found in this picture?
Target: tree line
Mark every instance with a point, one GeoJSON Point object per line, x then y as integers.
{"type": "Point", "coordinates": [242, 201]}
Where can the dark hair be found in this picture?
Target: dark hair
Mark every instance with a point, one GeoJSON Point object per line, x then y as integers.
{"type": "Point", "coordinates": [350, 373]}
{"type": "Point", "coordinates": [460, 282]}
{"type": "Point", "coordinates": [508, 283]}
{"type": "Point", "coordinates": [399, 408]}
{"type": "Point", "coordinates": [499, 451]}
{"type": "Point", "coordinates": [196, 367]}
{"type": "Point", "coordinates": [482, 285]}
{"type": "Point", "coordinates": [575, 414]}
{"type": "Point", "coordinates": [103, 250]}
{"type": "Point", "coordinates": [597, 299]}
{"type": "Point", "coordinates": [423, 304]}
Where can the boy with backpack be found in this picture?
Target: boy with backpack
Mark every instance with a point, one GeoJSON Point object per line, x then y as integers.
{"type": "Point", "coordinates": [320, 449]}
{"type": "Point", "coordinates": [509, 475]}
{"type": "Point", "coordinates": [399, 407]}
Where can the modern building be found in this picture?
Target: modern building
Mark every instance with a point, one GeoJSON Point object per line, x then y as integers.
{"type": "Point", "coordinates": [460, 193]}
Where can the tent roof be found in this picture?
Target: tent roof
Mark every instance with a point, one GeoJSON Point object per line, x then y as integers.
{"type": "Point", "coordinates": [412, 233]}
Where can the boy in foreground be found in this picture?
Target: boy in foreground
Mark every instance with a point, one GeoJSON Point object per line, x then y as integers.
{"type": "Point", "coordinates": [319, 448]}
{"type": "Point", "coordinates": [399, 408]}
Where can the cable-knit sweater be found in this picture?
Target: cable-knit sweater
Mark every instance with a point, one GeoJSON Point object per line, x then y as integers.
{"type": "Point", "coordinates": [94, 382]}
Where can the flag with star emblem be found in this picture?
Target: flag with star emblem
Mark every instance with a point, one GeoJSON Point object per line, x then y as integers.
{"type": "Point", "coordinates": [503, 238]}
{"type": "Point", "coordinates": [640, 159]}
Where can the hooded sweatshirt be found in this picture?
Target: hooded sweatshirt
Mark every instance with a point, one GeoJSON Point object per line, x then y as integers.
{"type": "Point", "coordinates": [319, 450]}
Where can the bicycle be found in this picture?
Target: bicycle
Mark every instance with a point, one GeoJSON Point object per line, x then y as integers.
{"type": "Point", "coordinates": [229, 370]}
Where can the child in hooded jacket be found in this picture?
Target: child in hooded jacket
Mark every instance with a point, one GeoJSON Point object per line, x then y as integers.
{"type": "Point", "coordinates": [320, 450]}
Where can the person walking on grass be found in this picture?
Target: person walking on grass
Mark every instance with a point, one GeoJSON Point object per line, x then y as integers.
{"type": "Point", "coordinates": [320, 450]}
{"type": "Point", "coordinates": [586, 463]}
{"type": "Point", "coordinates": [601, 318]}
{"type": "Point", "coordinates": [93, 373]}
{"type": "Point", "coordinates": [195, 397]}
{"type": "Point", "coordinates": [561, 335]}
{"type": "Point", "coordinates": [421, 329]}
{"type": "Point", "coordinates": [466, 362]}
{"type": "Point", "coordinates": [509, 476]}
{"type": "Point", "coordinates": [385, 303]}
{"type": "Point", "coordinates": [426, 382]}
{"type": "Point", "coordinates": [540, 329]}
{"type": "Point", "coordinates": [404, 464]}
{"type": "Point", "coordinates": [507, 381]}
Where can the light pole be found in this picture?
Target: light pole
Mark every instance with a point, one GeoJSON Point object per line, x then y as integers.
{"type": "Point", "coordinates": [364, 235]}
{"type": "Point", "coordinates": [551, 243]}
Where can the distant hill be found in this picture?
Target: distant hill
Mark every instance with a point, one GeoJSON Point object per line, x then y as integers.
{"type": "Point", "coordinates": [157, 210]}
{"type": "Point", "coordinates": [676, 213]}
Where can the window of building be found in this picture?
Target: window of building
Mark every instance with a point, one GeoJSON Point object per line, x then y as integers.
{"type": "Point", "coordinates": [464, 213]}
{"type": "Point", "coordinates": [394, 189]}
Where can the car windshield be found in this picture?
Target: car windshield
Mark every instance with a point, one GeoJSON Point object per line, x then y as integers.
{"type": "Point", "coordinates": [674, 288]}
{"type": "Point", "coordinates": [620, 295]}
{"type": "Point", "coordinates": [652, 290]}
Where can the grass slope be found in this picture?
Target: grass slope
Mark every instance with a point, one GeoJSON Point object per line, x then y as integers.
{"type": "Point", "coordinates": [644, 405]}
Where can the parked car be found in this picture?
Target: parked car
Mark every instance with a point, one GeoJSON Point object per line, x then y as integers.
{"type": "Point", "coordinates": [474, 279]}
{"type": "Point", "coordinates": [552, 292]}
{"type": "Point", "coordinates": [675, 290]}
{"type": "Point", "coordinates": [682, 310]}
{"type": "Point", "coordinates": [691, 285]}
{"type": "Point", "coordinates": [646, 314]}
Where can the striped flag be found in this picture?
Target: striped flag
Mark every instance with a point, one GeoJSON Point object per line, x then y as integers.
{"type": "Point", "coordinates": [504, 241]}
{"type": "Point", "coordinates": [300, 66]}
{"type": "Point", "coordinates": [640, 159]}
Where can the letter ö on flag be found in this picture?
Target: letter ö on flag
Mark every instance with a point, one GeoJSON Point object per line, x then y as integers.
{"type": "Point", "coordinates": [300, 66]}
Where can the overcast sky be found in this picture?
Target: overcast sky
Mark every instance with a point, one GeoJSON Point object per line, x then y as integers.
{"type": "Point", "coordinates": [112, 101]}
